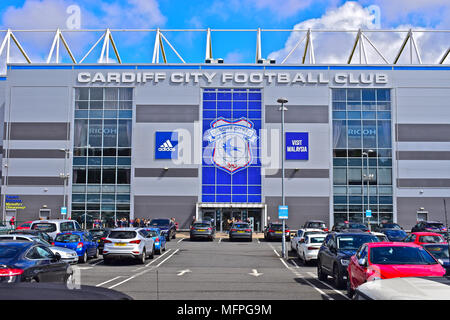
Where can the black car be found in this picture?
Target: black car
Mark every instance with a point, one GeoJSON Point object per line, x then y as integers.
{"type": "Point", "coordinates": [441, 253]}
{"type": "Point", "coordinates": [99, 235]}
{"type": "Point", "coordinates": [25, 261]}
{"type": "Point", "coordinates": [350, 227]}
{"type": "Point", "coordinates": [394, 235]}
{"type": "Point", "coordinates": [430, 226]}
{"type": "Point", "coordinates": [387, 225]}
{"type": "Point", "coordinates": [334, 255]}
{"type": "Point", "coordinates": [41, 234]}
{"type": "Point", "coordinates": [167, 226]}
{"type": "Point", "coordinates": [274, 231]}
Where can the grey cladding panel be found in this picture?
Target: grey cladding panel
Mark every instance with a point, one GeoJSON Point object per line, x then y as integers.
{"type": "Point", "coordinates": [423, 132]}
{"type": "Point", "coordinates": [38, 131]}
{"type": "Point", "coordinates": [36, 153]}
{"type": "Point", "coordinates": [167, 113]}
{"type": "Point", "coordinates": [423, 183]}
{"type": "Point", "coordinates": [297, 114]}
{"type": "Point", "coordinates": [407, 208]}
{"type": "Point", "coordinates": [423, 155]}
{"type": "Point", "coordinates": [301, 173]}
{"type": "Point", "coordinates": [170, 173]}
{"type": "Point", "coordinates": [33, 181]}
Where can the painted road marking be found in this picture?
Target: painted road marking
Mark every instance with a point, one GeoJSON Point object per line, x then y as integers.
{"type": "Point", "coordinates": [315, 277]}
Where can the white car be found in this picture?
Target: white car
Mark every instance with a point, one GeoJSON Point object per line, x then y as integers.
{"type": "Point", "coordinates": [54, 226]}
{"type": "Point", "coordinates": [295, 239]}
{"type": "Point", "coordinates": [134, 243]}
{"type": "Point", "coordinates": [67, 255]}
{"type": "Point", "coordinates": [381, 236]}
{"type": "Point", "coordinates": [309, 246]}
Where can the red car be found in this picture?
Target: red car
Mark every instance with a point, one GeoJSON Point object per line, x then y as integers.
{"type": "Point", "coordinates": [424, 237]}
{"type": "Point", "coordinates": [386, 260]}
{"type": "Point", "coordinates": [24, 226]}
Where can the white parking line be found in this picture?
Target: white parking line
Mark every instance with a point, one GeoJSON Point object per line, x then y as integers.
{"type": "Point", "coordinates": [220, 240]}
{"type": "Point", "coordinates": [143, 272]}
{"type": "Point", "coordinates": [94, 264]}
{"type": "Point", "coordinates": [315, 277]}
{"type": "Point", "coordinates": [180, 240]}
{"type": "Point", "coordinates": [155, 259]}
{"type": "Point", "coordinates": [100, 284]}
{"type": "Point", "coordinates": [274, 250]}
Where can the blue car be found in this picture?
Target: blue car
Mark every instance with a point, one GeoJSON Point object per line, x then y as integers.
{"type": "Point", "coordinates": [80, 241]}
{"type": "Point", "coordinates": [159, 238]}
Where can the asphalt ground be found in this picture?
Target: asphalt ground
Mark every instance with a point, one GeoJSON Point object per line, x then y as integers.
{"type": "Point", "coordinates": [218, 270]}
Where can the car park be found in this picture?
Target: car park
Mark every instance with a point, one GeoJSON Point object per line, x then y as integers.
{"type": "Point", "coordinates": [79, 241]}
{"type": "Point", "coordinates": [274, 231]}
{"type": "Point", "coordinates": [394, 234]}
{"type": "Point", "coordinates": [27, 261]}
{"type": "Point", "coordinates": [67, 255]}
{"type": "Point", "coordinates": [202, 230]}
{"type": "Point", "coordinates": [24, 226]}
{"type": "Point", "coordinates": [315, 224]}
{"type": "Point", "coordinates": [240, 230]}
{"type": "Point", "coordinates": [334, 255]}
{"type": "Point", "coordinates": [385, 260]}
{"type": "Point", "coordinates": [350, 227]}
{"type": "Point", "coordinates": [55, 226]}
{"type": "Point", "coordinates": [158, 238]}
{"type": "Point", "coordinates": [381, 236]}
{"type": "Point", "coordinates": [133, 243]}
{"type": "Point", "coordinates": [441, 253]}
{"type": "Point", "coordinates": [167, 227]}
{"type": "Point", "coordinates": [430, 226]}
{"type": "Point", "coordinates": [411, 288]}
{"type": "Point", "coordinates": [424, 237]}
{"type": "Point", "coordinates": [309, 246]}
{"type": "Point", "coordinates": [100, 235]}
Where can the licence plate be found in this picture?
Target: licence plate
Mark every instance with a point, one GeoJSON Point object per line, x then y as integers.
{"type": "Point", "coordinates": [201, 230]}
{"type": "Point", "coordinates": [278, 231]}
{"type": "Point", "coordinates": [241, 231]}
{"type": "Point", "coordinates": [120, 244]}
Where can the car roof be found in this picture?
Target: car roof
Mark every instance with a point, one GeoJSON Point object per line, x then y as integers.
{"type": "Point", "coordinates": [314, 235]}
{"type": "Point", "coordinates": [52, 221]}
{"type": "Point", "coordinates": [392, 244]}
{"type": "Point", "coordinates": [126, 229]}
{"type": "Point", "coordinates": [17, 243]}
{"type": "Point", "coordinates": [426, 234]}
{"type": "Point", "coordinates": [314, 221]}
{"type": "Point", "coordinates": [79, 233]}
{"type": "Point", "coordinates": [352, 233]}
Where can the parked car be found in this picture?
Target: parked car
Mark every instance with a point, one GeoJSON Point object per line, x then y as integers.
{"type": "Point", "coordinates": [37, 233]}
{"type": "Point", "coordinates": [394, 234]}
{"type": "Point", "coordinates": [202, 230]}
{"type": "Point", "coordinates": [24, 226]}
{"type": "Point", "coordinates": [387, 225]}
{"type": "Point", "coordinates": [334, 255]}
{"type": "Point", "coordinates": [167, 227]}
{"type": "Point", "coordinates": [381, 236]}
{"type": "Point", "coordinates": [240, 230]}
{"type": "Point", "coordinates": [350, 227]}
{"type": "Point", "coordinates": [430, 226]}
{"type": "Point", "coordinates": [3, 228]}
{"type": "Point", "coordinates": [295, 238]}
{"type": "Point", "coordinates": [158, 238]}
{"type": "Point", "coordinates": [441, 253]}
{"type": "Point", "coordinates": [27, 261]}
{"type": "Point", "coordinates": [309, 246]}
{"type": "Point", "coordinates": [424, 237]}
{"type": "Point", "coordinates": [133, 243]}
{"type": "Point", "coordinates": [55, 226]}
{"type": "Point", "coordinates": [79, 241]}
{"type": "Point", "coordinates": [376, 261]}
{"type": "Point", "coordinates": [315, 224]}
{"type": "Point", "coordinates": [274, 231]}
{"type": "Point", "coordinates": [100, 235]}
{"type": "Point", "coordinates": [67, 255]}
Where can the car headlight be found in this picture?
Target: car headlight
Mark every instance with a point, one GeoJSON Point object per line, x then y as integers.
{"type": "Point", "coordinates": [345, 262]}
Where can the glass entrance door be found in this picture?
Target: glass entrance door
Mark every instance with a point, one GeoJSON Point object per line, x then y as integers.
{"type": "Point", "coordinates": [224, 217]}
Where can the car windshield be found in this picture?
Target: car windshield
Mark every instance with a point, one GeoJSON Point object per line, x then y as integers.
{"type": "Point", "coordinates": [395, 233]}
{"type": "Point", "coordinates": [122, 235]}
{"type": "Point", "coordinates": [41, 241]}
{"type": "Point", "coordinates": [44, 226]}
{"type": "Point", "coordinates": [353, 242]}
{"type": "Point", "coordinates": [99, 233]}
{"type": "Point", "coordinates": [67, 238]}
{"type": "Point", "coordinates": [391, 226]}
{"type": "Point", "coordinates": [401, 255]}
{"type": "Point", "coordinates": [312, 232]}
{"type": "Point", "coordinates": [439, 252]}
{"type": "Point", "coordinates": [278, 227]}
{"type": "Point", "coordinates": [357, 226]}
{"type": "Point", "coordinates": [25, 225]}
{"type": "Point", "coordinates": [241, 226]}
{"type": "Point", "coordinates": [159, 222]}
{"type": "Point", "coordinates": [316, 225]}
{"type": "Point", "coordinates": [316, 240]}
{"type": "Point", "coordinates": [7, 252]}
{"type": "Point", "coordinates": [434, 225]}
{"type": "Point", "coordinates": [431, 239]}
{"type": "Point", "coordinates": [201, 225]}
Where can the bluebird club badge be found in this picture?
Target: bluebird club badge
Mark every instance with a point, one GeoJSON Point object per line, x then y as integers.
{"type": "Point", "coordinates": [231, 143]}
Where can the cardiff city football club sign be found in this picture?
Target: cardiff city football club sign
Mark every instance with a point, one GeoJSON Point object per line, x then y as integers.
{"type": "Point", "coordinates": [230, 142]}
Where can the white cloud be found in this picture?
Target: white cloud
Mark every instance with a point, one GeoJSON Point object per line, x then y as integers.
{"type": "Point", "coordinates": [336, 47]}
{"type": "Point", "coordinates": [234, 57]}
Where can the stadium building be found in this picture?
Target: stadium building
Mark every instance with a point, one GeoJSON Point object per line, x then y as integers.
{"type": "Point", "coordinates": [184, 140]}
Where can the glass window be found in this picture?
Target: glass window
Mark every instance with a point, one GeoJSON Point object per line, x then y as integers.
{"type": "Point", "coordinates": [95, 133]}
{"type": "Point", "coordinates": [94, 175]}
{"type": "Point", "coordinates": [123, 176]}
{"type": "Point", "coordinates": [96, 94]}
{"type": "Point", "coordinates": [110, 133]}
{"type": "Point", "coordinates": [339, 176]}
{"type": "Point", "coordinates": [109, 176]}
{"type": "Point", "coordinates": [79, 175]}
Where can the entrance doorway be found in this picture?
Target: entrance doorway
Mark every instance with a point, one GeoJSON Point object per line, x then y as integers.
{"type": "Point", "coordinates": [224, 217]}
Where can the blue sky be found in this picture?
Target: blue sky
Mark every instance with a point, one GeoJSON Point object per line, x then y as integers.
{"type": "Point", "coordinates": [232, 14]}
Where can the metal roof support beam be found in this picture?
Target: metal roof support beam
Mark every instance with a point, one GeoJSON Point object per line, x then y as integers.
{"type": "Point", "coordinates": [56, 43]}
{"type": "Point", "coordinates": [412, 43]}
{"type": "Point", "coordinates": [444, 56]}
{"type": "Point", "coordinates": [312, 56]}
{"type": "Point", "coordinates": [293, 49]}
{"type": "Point", "coordinates": [375, 48]}
{"type": "Point", "coordinates": [402, 47]}
{"type": "Point", "coordinates": [358, 36]}
{"type": "Point", "coordinates": [170, 45]}
{"type": "Point", "coordinates": [413, 40]}
{"type": "Point", "coordinates": [92, 48]}
{"type": "Point", "coordinates": [208, 54]}
{"type": "Point", "coordinates": [7, 42]}
{"type": "Point", "coordinates": [156, 46]}
{"type": "Point", "coordinates": [105, 49]}
{"type": "Point", "coordinates": [258, 45]}
{"type": "Point", "coordinates": [311, 50]}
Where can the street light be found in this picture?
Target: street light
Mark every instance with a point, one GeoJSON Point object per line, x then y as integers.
{"type": "Point", "coordinates": [283, 109]}
{"type": "Point", "coordinates": [65, 176]}
{"type": "Point", "coordinates": [368, 177]}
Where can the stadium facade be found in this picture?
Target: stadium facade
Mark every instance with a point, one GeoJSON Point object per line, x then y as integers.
{"type": "Point", "coordinates": [196, 140]}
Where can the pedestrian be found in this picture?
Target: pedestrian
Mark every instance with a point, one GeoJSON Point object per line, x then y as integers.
{"type": "Point", "coordinates": [12, 222]}
{"type": "Point", "coordinates": [193, 220]}
{"type": "Point", "coordinates": [136, 223]}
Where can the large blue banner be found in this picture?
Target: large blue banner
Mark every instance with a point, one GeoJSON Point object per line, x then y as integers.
{"type": "Point", "coordinates": [297, 146]}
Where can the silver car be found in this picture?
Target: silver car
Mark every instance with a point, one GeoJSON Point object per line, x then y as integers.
{"type": "Point", "coordinates": [134, 243]}
{"type": "Point", "coordinates": [240, 230]}
{"type": "Point", "coordinates": [67, 255]}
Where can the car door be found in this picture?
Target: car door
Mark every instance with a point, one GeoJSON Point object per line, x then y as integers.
{"type": "Point", "coordinates": [359, 271]}
{"type": "Point", "coordinates": [330, 254]}
{"type": "Point", "coordinates": [46, 267]}
{"type": "Point", "coordinates": [324, 252]}
{"type": "Point", "coordinates": [88, 242]}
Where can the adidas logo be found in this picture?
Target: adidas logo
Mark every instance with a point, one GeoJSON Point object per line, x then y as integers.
{"type": "Point", "coordinates": [166, 146]}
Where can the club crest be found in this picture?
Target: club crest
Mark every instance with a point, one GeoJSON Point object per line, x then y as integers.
{"type": "Point", "coordinates": [231, 143]}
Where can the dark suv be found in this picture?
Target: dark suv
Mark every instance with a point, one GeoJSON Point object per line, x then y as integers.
{"type": "Point", "coordinates": [334, 255]}
{"type": "Point", "coordinates": [167, 227]}
{"type": "Point", "coordinates": [430, 226]}
{"type": "Point", "coordinates": [350, 227]}
{"type": "Point", "coordinates": [274, 230]}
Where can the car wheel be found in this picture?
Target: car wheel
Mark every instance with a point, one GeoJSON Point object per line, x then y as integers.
{"type": "Point", "coordinates": [97, 253]}
{"type": "Point", "coordinates": [152, 255]}
{"type": "Point", "coordinates": [168, 238]}
{"type": "Point", "coordinates": [142, 257]}
{"type": "Point", "coordinates": [305, 262]}
{"type": "Point", "coordinates": [337, 277]}
{"type": "Point", "coordinates": [158, 251]}
{"type": "Point", "coordinates": [350, 291]}
{"type": "Point", "coordinates": [84, 259]}
{"type": "Point", "coordinates": [320, 274]}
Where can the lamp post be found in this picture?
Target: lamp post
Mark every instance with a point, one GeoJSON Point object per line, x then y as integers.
{"type": "Point", "coordinates": [65, 176]}
{"type": "Point", "coordinates": [283, 109]}
{"type": "Point", "coordinates": [368, 177]}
